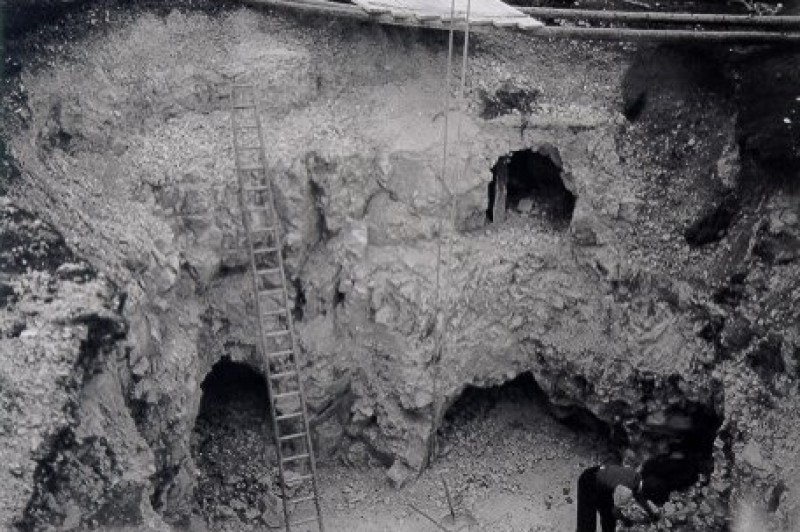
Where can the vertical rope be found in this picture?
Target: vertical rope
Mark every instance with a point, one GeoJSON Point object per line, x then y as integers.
{"type": "Point", "coordinates": [465, 60]}
{"type": "Point", "coordinates": [439, 324]}
{"type": "Point", "coordinates": [442, 181]}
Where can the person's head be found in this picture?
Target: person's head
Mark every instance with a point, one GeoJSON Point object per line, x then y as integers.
{"type": "Point", "coordinates": [655, 490]}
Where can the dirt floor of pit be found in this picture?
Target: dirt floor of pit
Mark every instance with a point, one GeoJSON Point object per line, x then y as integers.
{"type": "Point", "coordinates": [507, 463]}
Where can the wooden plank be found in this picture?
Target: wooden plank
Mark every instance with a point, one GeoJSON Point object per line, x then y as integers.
{"type": "Point", "coordinates": [500, 192]}
{"type": "Point", "coordinates": [328, 8]}
{"type": "Point", "coordinates": [480, 11]}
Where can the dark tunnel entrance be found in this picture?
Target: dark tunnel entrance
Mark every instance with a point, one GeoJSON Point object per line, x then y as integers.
{"type": "Point", "coordinates": [232, 446]}
{"type": "Point", "coordinates": [686, 440]}
{"type": "Point", "coordinates": [530, 183]}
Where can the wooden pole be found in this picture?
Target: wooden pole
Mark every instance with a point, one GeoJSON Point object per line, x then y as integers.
{"type": "Point", "coordinates": [642, 16]}
{"type": "Point", "coordinates": [449, 499]}
{"type": "Point", "coordinates": [630, 34]}
{"type": "Point", "coordinates": [428, 517]}
{"type": "Point", "coordinates": [500, 191]}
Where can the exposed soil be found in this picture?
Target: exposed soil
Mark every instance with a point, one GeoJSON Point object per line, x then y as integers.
{"type": "Point", "coordinates": [506, 461]}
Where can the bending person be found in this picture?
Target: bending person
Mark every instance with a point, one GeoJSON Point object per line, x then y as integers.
{"type": "Point", "coordinates": [605, 490]}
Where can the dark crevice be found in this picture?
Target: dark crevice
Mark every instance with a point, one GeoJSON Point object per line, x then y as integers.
{"type": "Point", "coordinates": [506, 100]}
{"type": "Point", "coordinates": [766, 358]}
{"type": "Point", "coordinates": [28, 243]}
{"type": "Point", "coordinates": [317, 165]}
{"type": "Point", "coordinates": [713, 225]}
{"type": "Point", "coordinates": [162, 480]}
{"type": "Point", "coordinates": [339, 298]}
{"type": "Point", "coordinates": [7, 295]}
{"type": "Point", "coordinates": [9, 168]}
{"type": "Point", "coordinates": [299, 300]}
{"type": "Point", "coordinates": [777, 249]}
{"type": "Point", "coordinates": [227, 270]}
{"type": "Point", "coordinates": [774, 500]}
{"type": "Point", "coordinates": [317, 194]}
{"type": "Point", "coordinates": [732, 293]}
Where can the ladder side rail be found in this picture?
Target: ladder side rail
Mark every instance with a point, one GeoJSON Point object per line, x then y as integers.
{"type": "Point", "coordinates": [303, 406]}
{"type": "Point", "coordinates": [290, 325]}
{"type": "Point", "coordinates": [248, 233]}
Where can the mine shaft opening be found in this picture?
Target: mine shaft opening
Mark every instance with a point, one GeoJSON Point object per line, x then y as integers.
{"type": "Point", "coordinates": [530, 183]}
{"type": "Point", "coordinates": [233, 447]}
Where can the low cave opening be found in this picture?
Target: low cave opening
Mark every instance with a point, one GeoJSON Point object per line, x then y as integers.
{"type": "Point", "coordinates": [232, 445]}
{"type": "Point", "coordinates": [530, 183]}
{"type": "Point", "coordinates": [509, 431]}
{"type": "Point", "coordinates": [515, 426]}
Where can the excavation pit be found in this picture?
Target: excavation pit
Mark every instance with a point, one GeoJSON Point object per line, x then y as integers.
{"type": "Point", "coordinates": [147, 195]}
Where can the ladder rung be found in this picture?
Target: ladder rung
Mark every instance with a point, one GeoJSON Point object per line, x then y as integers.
{"type": "Point", "coordinates": [290, 416]}
{"type": "Point", "coordinates": [274, 312]}
{"type": "Point", "coordinates": [302, 499]}
{"type": "Point", "coordinates": [286, 394]}
{"type": "Point", "coordinates": [263, 229]}
{"type": "Point", "coordinates": [280, 353]}
{"type": "Point", "coordinates": [292, 436]}
{"type": "Point", "coordinates": [268, 271]}
{"type": "Point", "coordinates": [304, 521]}
{"type": "Point", "coordinates": [249, 168]}
{"type": "Point", "coordinates": [283, 374]}
{"type": "Point", "coordinates": [299, 479]}
{"type": "Point", "coordinates": [296, 458]}
{"type": "Point", "coordinates": [270, 291]}
{"type": "Point", "coordinates": [257, 189]}
{"type": "Point", "coordinates": [265, 250]}
{"type": "Point", "coordinates": [276, 334]}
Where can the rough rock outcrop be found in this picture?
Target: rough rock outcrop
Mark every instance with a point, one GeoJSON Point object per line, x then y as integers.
{"type": "Point", "coordinates": [73, 452]}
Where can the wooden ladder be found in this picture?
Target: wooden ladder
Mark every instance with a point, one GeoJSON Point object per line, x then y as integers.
{"type": "Point", "coordinates": [278, 342]}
